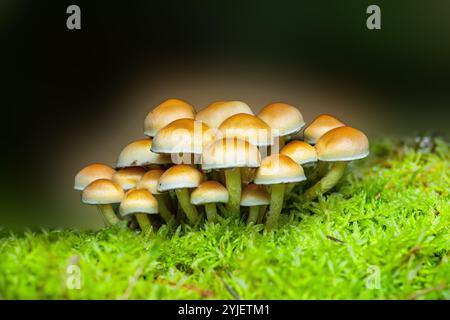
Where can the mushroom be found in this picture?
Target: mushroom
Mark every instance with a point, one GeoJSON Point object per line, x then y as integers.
{"type": "Point", "coordinates": [215, 113]}
{"type": "Point", "coordinates": [140, 203]}
{"type": "Point", "coordinates": [168, 111]}
{"type": "Point", "coordinates": [257, 198]}
{"type": "Point", "coordinates": [150, 182]}
{"type": "Point", "coordinates": [338, 146]}
{"type": "Point", "coordinates": [103, 193]}
{"type": "Point", "coordinates": [231, 154]}
{"type": "Point", "coordinates": [247, 127]}
{"type": "Point", "coordinates": [138, 153]}
{"type": "Point", "coordinates": [277, 170]}
{"type": "Point", "coordinates": [320, 125]}
{"type": "Point", "coordinates": [91, 173]}
{"type": "Point", "coordinates": [181, 178]}
{"type": "Point", "coordinates": [283, 119]}
{"type": "Point", "coordinates": [127, 178]}
{"type": "Point", "coordinates": [185, 136]}
{"type": "Point", "coordinates": [302, 153]}
{"type": "Point", "coordinates": [209, 193]}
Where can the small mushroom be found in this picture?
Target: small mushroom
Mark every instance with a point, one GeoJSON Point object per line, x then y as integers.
{"type": "Point", "coordinates": [91, 173]}
{"type": "Point", "coordinates": [127, 178]}
{"type": "Point", "coordinates": [338, 146]}
{"type": "Point", "coordinates": [320, 125]}
{"type": "Point", "coordinates": [209, 193]}
{"type": "Point", "coordinates": [276, 170]}
{"type": "Point", "coordinates": [168, 111]}
{"type": "Point", "coordinates": [231, 154]}
{"type": "Point", "coordinates": [150, 182]}
{"type": "Point", "coordinates": [257, 198]}
{"type": "Point", "coordinates": [103, 193]}
{"type": "Point", "coordinates": [185, 137]}
{"type": "Point", "coordinates": [138, 154]}
{"type": "Point", "coordinates": [181, 178]}
{"type": "Point", "coordinates": [302, 153]}
{"type": "Point", "coordinates": [283, 119]}
{"type": "Point", "coordinates": [215, 113]}
{"type": "Point", "coordinates": [247, 127]}
{"type": "Point", "coordinates": [140, 203]}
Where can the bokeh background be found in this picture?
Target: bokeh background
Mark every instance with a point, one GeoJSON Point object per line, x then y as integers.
{"type": "Point", "coordinates": [70, 98]}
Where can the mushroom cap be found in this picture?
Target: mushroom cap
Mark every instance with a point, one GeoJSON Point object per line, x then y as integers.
{"type": "Point", "coordinates": [247, 127]}
{"type": "Point", "coordinates": [230, 153]}
{"type": "Point", "coordinates": [215, 113]}
{"type": "Point", "coordinates": [168, 111]}
{"type": "Point", "coordinates": [150, 181]}
{"type": "Point", "coordinates": [138, 201]}
{"type": "Point", "coordinates": [180, 176]}
{"type": "Point", "coordinates": [183, 136]}
{"type": "Point", "coordinates": [320, 125]}
{"type": "Point", "coordinates": [209, 192]}
{"type": "Point", "coordinates": [138, 153]}
{"type": "Point", "coordinates": [278, 168]}
{"type": "Point", "coordinates": [283, 118]}
{"type": "Point", "coordinates": [102, 191]}
{"type": "Point", "coordinates": [127, 178]}
{"type": "Point", "coordinates": [91, 173]}
{"type": "Point", "coordinates": [342, 144]}
{"type": "Point", "coordinates": [299, 151]}
{"type": "Point", "coordinates": [254, 195]}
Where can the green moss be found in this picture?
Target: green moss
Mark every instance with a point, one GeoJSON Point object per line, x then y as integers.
{"type": "Point", "coordinates": [390, 213]}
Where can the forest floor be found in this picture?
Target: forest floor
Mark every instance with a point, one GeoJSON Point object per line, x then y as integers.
{"type": "Point", "coordinates": [382, 233]}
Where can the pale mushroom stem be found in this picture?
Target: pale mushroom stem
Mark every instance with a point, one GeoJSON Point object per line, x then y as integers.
{"type": "Point", "coordinates": [211, 212]}
{"type": "Point", "coordinates": [144, 223]}
{"type": "Point", "coordinates": [233, 182]}
{"type": "Point", "coordinates": [276, 204]}
{"type": "Point", "coordinates": [164, 211]}
{"type": "Point", "coordinates": [262, 213]}
{"type": "Point", "coordinates": [108, 213]}
{"type": "Point", "coordinates": [328, 181]}
{"type": "Point", "coordinates": [189, 209]}
{"type": "Point", "coordinates": [253, 215]}
{"type": "Point", "coordinates": [275, 148]}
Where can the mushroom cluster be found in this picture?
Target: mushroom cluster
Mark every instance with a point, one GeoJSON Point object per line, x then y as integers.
{"type": "Point", "coordinates": [223, 161]}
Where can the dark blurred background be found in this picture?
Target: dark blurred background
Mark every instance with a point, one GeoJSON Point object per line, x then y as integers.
{"type": "Point", "coordinates": [78, 96]}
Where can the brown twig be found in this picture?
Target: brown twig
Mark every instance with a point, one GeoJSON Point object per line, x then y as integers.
{"type": "Point", "coordinates": [335, 239]}
{"type": "Point", "coordinates": [190, 287]}
{"type": "Point", "coordinates": [228, 288]}
{"type": "Point", "coordinates": [412, 252]}
{"type": "Point", "coordinates": [423, 292]}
